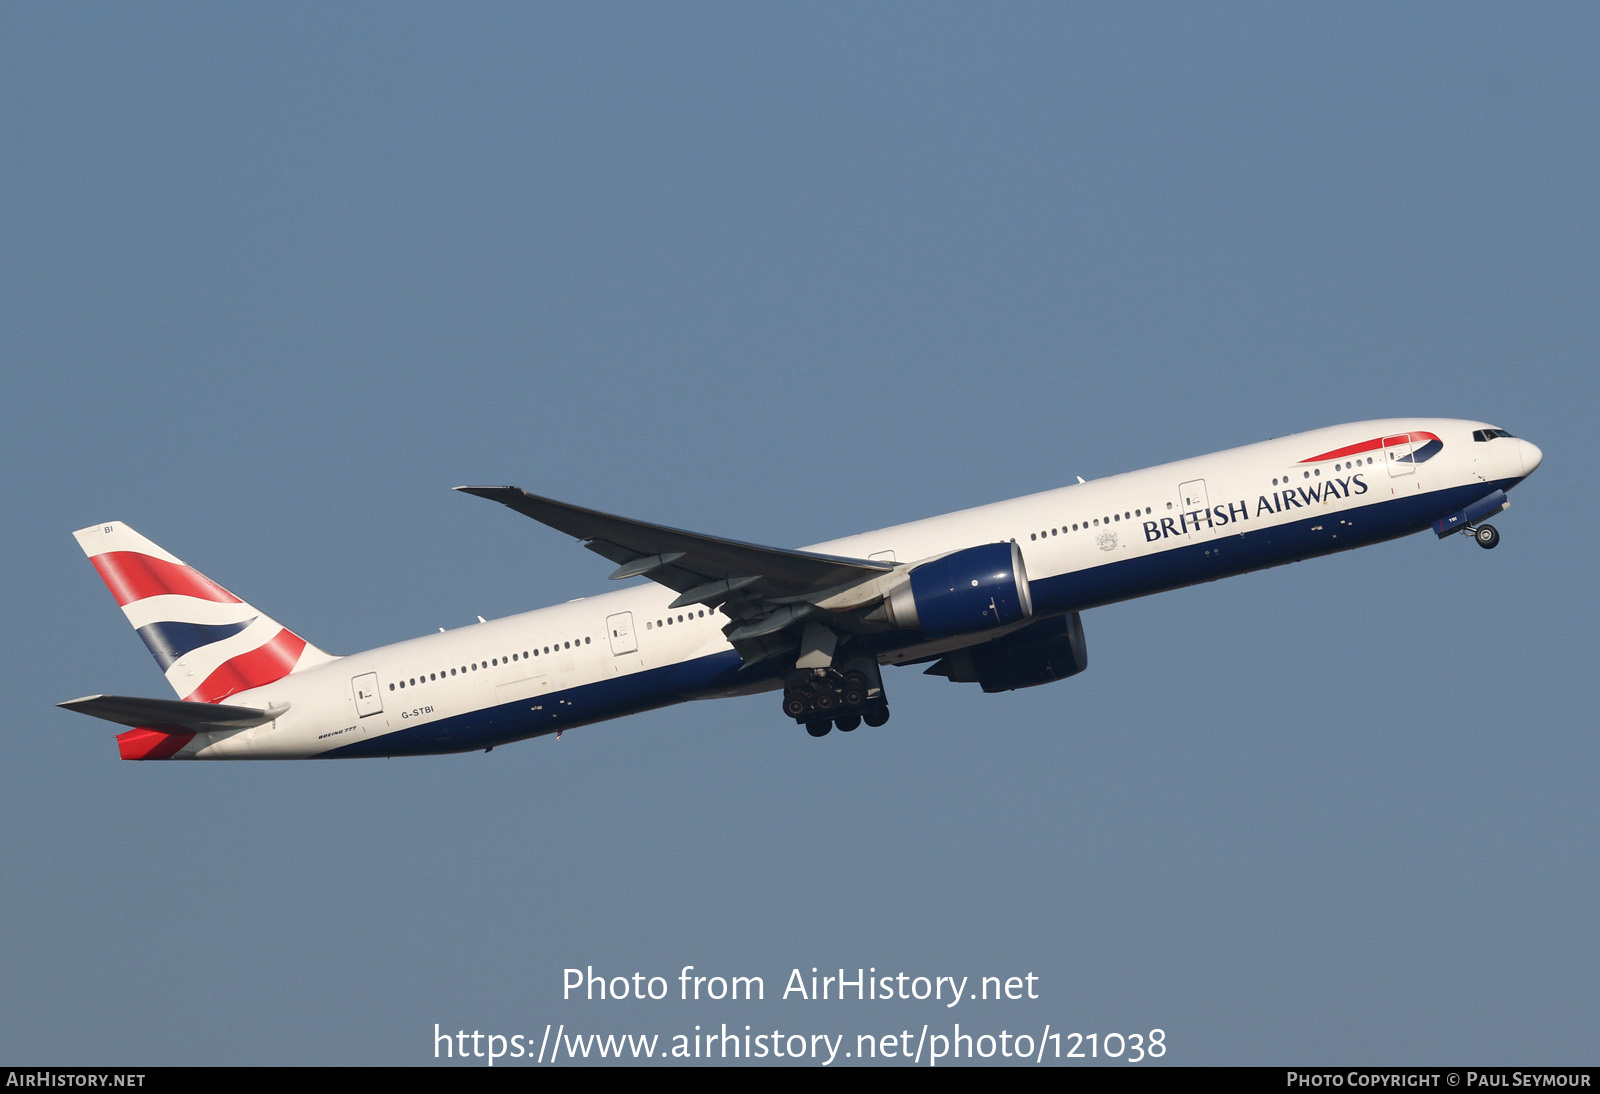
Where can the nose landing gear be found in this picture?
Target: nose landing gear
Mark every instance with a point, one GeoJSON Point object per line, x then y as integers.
{"type": "Point", "coordinates": [1487, 535]}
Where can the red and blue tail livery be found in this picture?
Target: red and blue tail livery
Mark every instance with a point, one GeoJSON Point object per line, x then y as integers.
{"type": "Point", "coordinates": [208, 642]}
{"type": "Point", "coordinates": [992, 596]}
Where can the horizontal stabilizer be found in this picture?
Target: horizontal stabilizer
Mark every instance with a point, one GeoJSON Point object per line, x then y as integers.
{"type": "Point", "coordinates": [127, 710]}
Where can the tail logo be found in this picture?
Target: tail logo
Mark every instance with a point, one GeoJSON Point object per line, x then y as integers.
{"type": "Point", "coordinates": [208, 642]}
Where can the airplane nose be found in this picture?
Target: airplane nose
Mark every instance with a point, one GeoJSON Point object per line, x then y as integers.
{"type": "Point", "coordinates": [1531, 456]}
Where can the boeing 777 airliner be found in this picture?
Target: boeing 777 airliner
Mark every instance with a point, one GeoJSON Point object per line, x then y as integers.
{"type": "Point", "coordinates": [991, 596]}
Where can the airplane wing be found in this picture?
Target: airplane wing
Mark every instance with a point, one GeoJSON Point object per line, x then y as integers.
{"type": "Point", "coordinates": [765, 589]}
{"type": "Point", "coordinates": [126, 710]}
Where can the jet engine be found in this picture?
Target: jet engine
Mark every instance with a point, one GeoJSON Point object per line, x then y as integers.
{"type": "Point", "coordinates": [1051, 649]}
{"type": "Point", "coordinates": [966, 591]}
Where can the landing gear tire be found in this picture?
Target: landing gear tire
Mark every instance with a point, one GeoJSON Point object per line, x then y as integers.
{"type": "Point", "coordinates": [1487, 535]}
{"type": "Point", "coordinates": [841, 696]}
{"type": "Point", "coordinates": [819, 728]}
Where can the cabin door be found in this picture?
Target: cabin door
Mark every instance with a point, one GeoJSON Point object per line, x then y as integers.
{"type": "Point", "coordinates": [620, 627]}
{"type": "Point", "coordinates": [1397, 453]}
{"type": "Point", "coordinates": [365, 688]}
{"type": "Point", "coordinates": [1193, 502]}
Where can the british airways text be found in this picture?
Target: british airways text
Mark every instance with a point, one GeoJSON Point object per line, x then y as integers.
{"type": "Point", "coordinates": [1279, 501]}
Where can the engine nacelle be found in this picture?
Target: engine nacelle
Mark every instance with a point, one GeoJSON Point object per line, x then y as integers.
{"type": "Point", "coordinates": [971, 590]}
{"type": "Point", "coordinates": [1051, 649]}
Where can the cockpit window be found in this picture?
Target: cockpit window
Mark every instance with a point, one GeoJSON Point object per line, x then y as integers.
{"type": "Point", "coordinates": [1488, 434]}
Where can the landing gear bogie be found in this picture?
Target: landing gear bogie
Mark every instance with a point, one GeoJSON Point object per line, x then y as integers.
{"type": "Point", "coordinates": [843, 696]}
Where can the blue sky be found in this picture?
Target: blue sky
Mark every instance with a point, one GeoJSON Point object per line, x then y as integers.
{"type": "Point", "coordinates": [274, 279]}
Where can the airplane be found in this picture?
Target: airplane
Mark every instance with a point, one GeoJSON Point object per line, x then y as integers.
{"type": "Point", "coordinates": [991, 595]}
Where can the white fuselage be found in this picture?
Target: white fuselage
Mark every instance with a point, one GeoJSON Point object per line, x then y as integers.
{"type": "Point", "coordinates": [1083, 545]}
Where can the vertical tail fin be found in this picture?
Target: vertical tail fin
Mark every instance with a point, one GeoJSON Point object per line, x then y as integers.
{"type": "Point", "coordinates": [209, 643]}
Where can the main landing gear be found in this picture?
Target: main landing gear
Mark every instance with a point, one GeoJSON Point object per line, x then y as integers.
{"type": "Point", "coordinates": [827, 699]}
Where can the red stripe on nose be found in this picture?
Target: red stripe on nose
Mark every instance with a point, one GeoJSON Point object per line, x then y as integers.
{"type": "Point", "coordinates": [1368, 446]}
